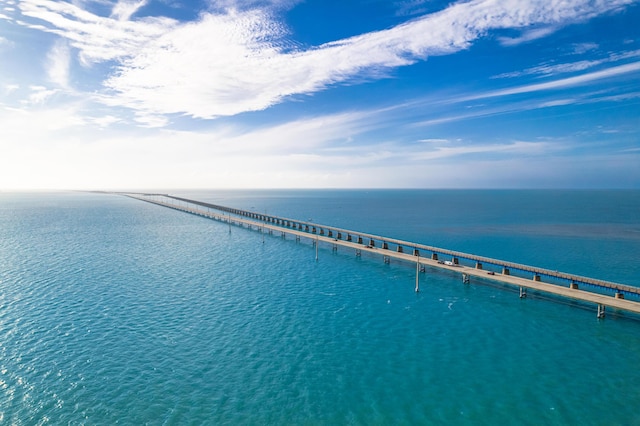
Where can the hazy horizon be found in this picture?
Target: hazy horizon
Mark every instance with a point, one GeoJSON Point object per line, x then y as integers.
{"type": "Point", "coordinates": [319, 94]}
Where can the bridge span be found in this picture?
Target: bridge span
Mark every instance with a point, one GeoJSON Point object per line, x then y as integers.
{"type": "Point", "coordinates": [600, 292]}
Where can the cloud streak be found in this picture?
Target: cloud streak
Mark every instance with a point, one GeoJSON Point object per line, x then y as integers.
{"type": "Point", "coordinates": [228, 63]}
{"type": "Point", "coordinates": [559, 83]}
{"type": "Point", "coordinates": [554, 69]}
{"type": "Point", "coordinates": [527, 36]}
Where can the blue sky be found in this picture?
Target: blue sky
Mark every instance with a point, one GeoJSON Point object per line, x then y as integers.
{"type": "Point", "coordinates": [303, 94]}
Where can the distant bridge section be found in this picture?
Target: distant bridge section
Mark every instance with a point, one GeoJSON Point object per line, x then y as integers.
{"type": "Point", "coordinates": [465, 263]}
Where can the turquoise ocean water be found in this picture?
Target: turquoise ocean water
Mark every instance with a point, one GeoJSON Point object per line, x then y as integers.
{"type": "Point", "coordinates": [117, 311]}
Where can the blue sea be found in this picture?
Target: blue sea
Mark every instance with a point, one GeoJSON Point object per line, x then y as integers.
{"type": "Point", "coordinates": [116, 311]}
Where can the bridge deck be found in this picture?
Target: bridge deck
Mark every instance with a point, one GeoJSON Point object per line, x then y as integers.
{"type": "Point", "coordinates": [571, 293]}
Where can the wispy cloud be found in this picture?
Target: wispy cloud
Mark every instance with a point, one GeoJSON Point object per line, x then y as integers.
{"type": "Point", "coordinates": [257, 157]}
{"type": "Point", "coordinates": [224, 5]}
{"type": "Point", "coordinates": [40, 94]}
{"type": "Point", "coordinates": [97, 38]}
{"type": "Point", "coordinates": [413, 7]}
{"type": "Point", "coordinates": [581, 48]}
{"type": "Point", "coordinates": [4, 42]}
{"type": "Point", "coordinates": [273, 156]}
{"type": "Point", "coordinates": [57, 64]}
{"type": "Point", "coordinates": [443, 115]}
{"type": "Point", "coordinates": [518, 148]}
{"type": "Point", "coordinates": [150, 120]}
{"type": "Point", "coordinates": [10, 88]}
{"type": "Point", "coordinates": [527, 36]}
{"type": "Point", "coordinates": [554, 69]}
{"type": "Point", "coordinates": [547, 70]}
{"type": "Point", "coordinates": [124, 9]}
{"type": "Point", "coordinates": [560, 83]}
{"type": "Point", "coordinates": [230, 62]}
{"type": "Point", "coordinates": [434, 141]}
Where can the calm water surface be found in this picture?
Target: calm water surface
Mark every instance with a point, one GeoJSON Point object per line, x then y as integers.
{"type": "Point", "coordinates": [118, 311]}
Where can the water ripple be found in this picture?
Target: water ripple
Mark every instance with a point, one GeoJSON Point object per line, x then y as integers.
{"type": "Point", "coordinates": [142, 315]}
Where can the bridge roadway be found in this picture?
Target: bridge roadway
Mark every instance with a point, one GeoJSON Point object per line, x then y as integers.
{"type": "Point", "coordinates": [345, 238]}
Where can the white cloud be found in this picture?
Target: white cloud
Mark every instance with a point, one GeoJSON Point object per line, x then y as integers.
{"type": "Point", "coordinates": [553, 69]}
{"type": "Point", "coordinates": [518, 148]}
{"type": "Point", "coordinates": [63, 151]}
{"type": "Point", "coordinates": [10, 88]}
{"type": "Point", "coordinates": [527, 36]}
{"type": "Point", "coordinates": [580, 48]}
{"type": "Point", "coordinates": [97, 38]}
{"type": "Point", "coordinates": [560, 83]}
{"type": "Point", "coordinates": [3, 41]}
{"type": "Point", "coordinates": [40, 94]}
{"type": "Point", "coordinates": [443, 115]}
{"type": "Point", "coordinates": [237, 61]}
{"type": "Point", "coordinates": [124, 9]}
{"type": "Point", "coordinates": [17, 123]}
{"type": "Point", "coordinates": [58, 64]}
{"type": "Point", "coordinates": [150, 120]}
{"type": "Point", "coordinates": [434, 141]}
{"type": "Point", "coordinates": [224, 5]}
{"type": "Point", "coordinates": [104, 121]}
{"type": "Point", "coordinates": [66, 152]}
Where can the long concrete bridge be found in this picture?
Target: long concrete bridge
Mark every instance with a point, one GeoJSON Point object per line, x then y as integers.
{"type": "Point", "coordinates": [600, 292]}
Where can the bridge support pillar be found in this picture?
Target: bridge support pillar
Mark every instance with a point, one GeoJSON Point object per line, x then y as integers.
{"type": "Point", "coordinates": [573, 286]}
{"type": "Point", "coordinates": [505, 271]}
{"type": "Point", "coordinates": [349, 237]}
{"type": "Point", "coordinates": [478, 265]}
{"type": "Point", "coordinates": [536, 277]}
{"type": "Point", "coordinates": [372, 243]}
{"type": "Point", "coordinates": [455, 261]}
{"type": "Point", "coordinates": [400, 250]}
{"type": "Point", "coordinates": [385, 246]}
{"type": "Point", "coordinates": [416, 252]}
{"type": "Point", "coordinates": [619, 295]}
{"type": "Point", "coordinates": [434, 256]}
{"type": "Point", "coordinates": [359, 240]}
{"type": "Point", "coordinates": [339, 235]}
